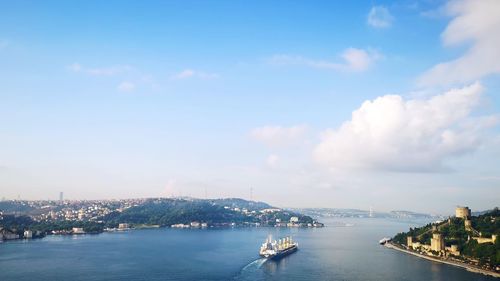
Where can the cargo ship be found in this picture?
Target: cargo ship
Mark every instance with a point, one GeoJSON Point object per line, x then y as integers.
{"type": "Point", "coordinates": [278, 249]}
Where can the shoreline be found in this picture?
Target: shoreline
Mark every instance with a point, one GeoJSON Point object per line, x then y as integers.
{"type": "Point", "coordinates": [468, 267]}
{"type": "Point", "coordinates": [143, 227]}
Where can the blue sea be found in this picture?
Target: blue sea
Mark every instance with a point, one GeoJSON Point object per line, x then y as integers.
{"type": "Point", "coordinates": [346, 249]}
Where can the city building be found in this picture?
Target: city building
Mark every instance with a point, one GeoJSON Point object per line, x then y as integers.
{"type": "Point", "coordinates": [462, 212]}
{"type": "Point", "coordinates": [53, 215]}
{"type": "Point", "coordinates": [81, 214]}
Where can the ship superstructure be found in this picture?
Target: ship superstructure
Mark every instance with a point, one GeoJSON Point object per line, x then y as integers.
{"type": "Point", "coordinates": [277, 249]}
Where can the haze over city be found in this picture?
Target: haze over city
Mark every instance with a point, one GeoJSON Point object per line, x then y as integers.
{"type": "Point", "coordinates": [389, 105]}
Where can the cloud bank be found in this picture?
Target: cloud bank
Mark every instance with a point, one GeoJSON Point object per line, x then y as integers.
{"type": "Point", "coordinates": [352, 60]}
{"type": "Point", "coordinates": [390, 133]}
{"type": "Point", "coordinates": [478, 24]}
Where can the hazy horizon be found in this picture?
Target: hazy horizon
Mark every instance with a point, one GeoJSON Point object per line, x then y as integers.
{"type": "Point", "coordinates": [392, 105]}
{"type": "Point", "coordinates": [449, 212]}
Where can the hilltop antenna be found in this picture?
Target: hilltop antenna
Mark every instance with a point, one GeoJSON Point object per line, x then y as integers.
{"type": "Point", "coordinates": [251, 193]}
{"type": "Point", "coordinates": [206, 197]}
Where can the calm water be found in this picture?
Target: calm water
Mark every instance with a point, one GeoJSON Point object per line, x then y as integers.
{"type": "Point", "coordinates": [332, 253]}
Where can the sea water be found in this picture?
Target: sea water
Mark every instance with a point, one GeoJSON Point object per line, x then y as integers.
{"type": "Point", "coordinates": [346, 249]}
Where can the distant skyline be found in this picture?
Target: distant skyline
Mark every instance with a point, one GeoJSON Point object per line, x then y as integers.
{"type": "Point", "coordinates": [387, 104]}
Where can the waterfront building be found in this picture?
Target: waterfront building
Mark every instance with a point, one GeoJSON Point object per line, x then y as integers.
{"type": "Point", "coordinates": [28, 234]}
{"type": "Point", "coordinates": [180, 225]}
{"type": "Point", "coordinates": [462, 212]}
{"type": "Point", "coordinates": [78, 230]}
{"type": "Point", "coordinates": [437, 242]}
{"type": "Point", "coordinates": [123, 226]}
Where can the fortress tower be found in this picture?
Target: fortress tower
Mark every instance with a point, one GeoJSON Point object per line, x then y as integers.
{"type": "Point", "coordinates": [409, 241]}
{"type": "Point", "coordinates": [437, 242]}
{"type": "Point", "coordinates": [462, 212]}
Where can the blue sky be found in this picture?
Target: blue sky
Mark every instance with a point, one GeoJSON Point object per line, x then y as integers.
{"type": "Point", "coordinates": [117, 99]}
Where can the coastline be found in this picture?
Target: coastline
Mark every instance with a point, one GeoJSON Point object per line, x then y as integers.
{"type": "Point", "coordinates": [468, 267]}
{"type": "Point", "coordinates": [152, 226]}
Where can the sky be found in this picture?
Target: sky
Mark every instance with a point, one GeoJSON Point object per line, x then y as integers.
{"type": "Point", "coordinates": [339, 104]}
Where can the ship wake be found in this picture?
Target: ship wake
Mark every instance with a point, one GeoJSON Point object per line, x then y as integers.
{"type": "Point", "coordinates": [251, 271]}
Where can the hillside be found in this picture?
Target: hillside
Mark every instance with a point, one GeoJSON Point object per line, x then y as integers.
{"type": "Point", "coordinates": [467, 239]}
{"type": "Point", "coordinates": [98, 215]}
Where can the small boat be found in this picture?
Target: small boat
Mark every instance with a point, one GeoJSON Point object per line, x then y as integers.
{"type": "Point", "coordinates": [278, 249]}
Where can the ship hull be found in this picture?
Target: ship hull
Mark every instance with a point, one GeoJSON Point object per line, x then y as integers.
{"type": "Point", "coordinates": [282, 254]}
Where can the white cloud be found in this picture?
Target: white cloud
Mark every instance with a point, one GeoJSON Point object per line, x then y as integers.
{"type": "Point", "coordinates": [379, 17]}
{"type": "Point", "coordinates": [477, 23]}
{"type": "Point", "coordinates": [277, 135]}
{"type": "Point", "coordinates": [103, 71]}
{"type": "Point", "coordinates": [190, 73]}
{"type": "Point", "coordinates": [272, 160]}
{"type": "Point", "coordinates": [390, 133]}
{"type": "Point", "coordinates": [126, 86]}
{"type": "Point", "coordinates": [353, 60]}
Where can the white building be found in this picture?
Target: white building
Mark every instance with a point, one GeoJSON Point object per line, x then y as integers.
{"type": "Point", "coordinates": [78, 230]}
{"type": "Point", "coordinates": [123, 226]}
{"type": "Point", "coordinates": [28, 234]}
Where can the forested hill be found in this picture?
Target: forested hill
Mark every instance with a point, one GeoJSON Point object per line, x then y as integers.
{"type": "Point", "coordinates": [166, 212]}
{"type": "Point", "coordinates": [241, 203]}
{"type": "Point", "coordinates": [97, 215]}
{"type": "Point", "coordinates": [455, 233]}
